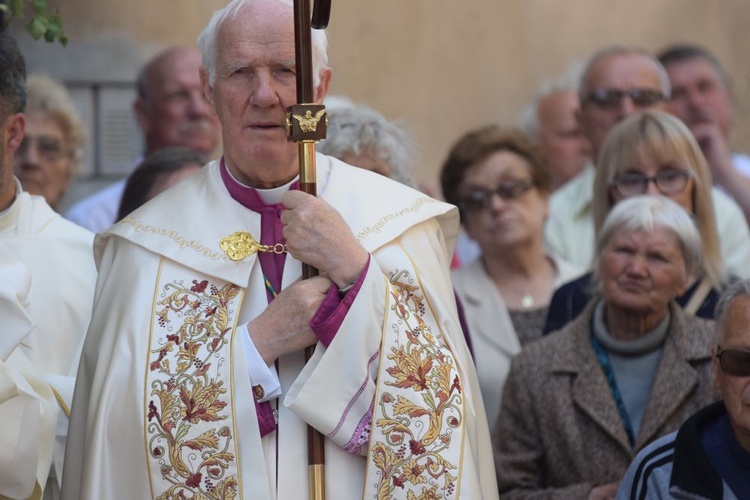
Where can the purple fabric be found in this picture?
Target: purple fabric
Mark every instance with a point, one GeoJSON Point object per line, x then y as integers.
{"type": "Point", "coordinates": [332, 311]}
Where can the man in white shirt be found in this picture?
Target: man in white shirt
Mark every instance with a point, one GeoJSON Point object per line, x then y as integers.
{"type": "Point", "coordinates": [171, 111]}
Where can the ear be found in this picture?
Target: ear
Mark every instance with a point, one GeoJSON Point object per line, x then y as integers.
{"type": "Point", "coordinates": [14, 128]}
{"type": "Point", "coordinates": [325, 81]}
{"type": "Point", "coordinates": [716, 369]}
{"type": "Point", "coordinates": [140, 110]}
{"type": "Point", "coordinates": [208, 90]}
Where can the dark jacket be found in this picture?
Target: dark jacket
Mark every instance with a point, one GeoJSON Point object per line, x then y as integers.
{"type": "Point", "coordinates": [676, 466]}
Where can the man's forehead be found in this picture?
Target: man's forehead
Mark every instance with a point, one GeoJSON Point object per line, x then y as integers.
{"type": "Point", "coordinates": [698, 68]}
{"type": "Point", "coordinates": [623, 69]}
{"type": "Point", "coordinates": [736, 323]}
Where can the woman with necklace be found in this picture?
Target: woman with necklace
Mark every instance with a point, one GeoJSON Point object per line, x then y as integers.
{"type": "Point", "coordinates": [500, 183]}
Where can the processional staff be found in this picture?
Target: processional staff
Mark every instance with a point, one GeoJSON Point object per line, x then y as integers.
{"type": "Point", "coordinates": [306, 124]}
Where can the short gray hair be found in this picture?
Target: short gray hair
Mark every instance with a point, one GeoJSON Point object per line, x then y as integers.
{"type": "Point", "coordinates": [645, 213]}
{"type": "Point", "coordinates": [357, 129]}
{"type": "Point", "coordinates": [738, 289]}
{"type": "Point", "coordinates": [623, 50]}
{"type": "Point", "coordinates": [207, 40]}
{"type": "Point", "coordinates": [528, 119]}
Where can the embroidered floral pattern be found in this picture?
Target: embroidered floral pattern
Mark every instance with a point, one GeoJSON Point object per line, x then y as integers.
{"type": "Point", "coordinates": [417, 417]}
{"type": "Point", "coordinates": [189, 431]}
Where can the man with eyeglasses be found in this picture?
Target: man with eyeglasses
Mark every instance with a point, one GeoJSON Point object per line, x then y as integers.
{"type": "Point", "coordinates": [702, 98]}
{"type": "Point", "coordinates": [709, 456]}
{"type": "Point", "coordinates": [617, 82]}
{"type": "Point", "coordinates": [57, 254]}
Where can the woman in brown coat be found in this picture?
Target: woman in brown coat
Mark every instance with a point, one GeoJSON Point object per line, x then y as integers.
{"type": "Point", "coordinates": [579, 404]}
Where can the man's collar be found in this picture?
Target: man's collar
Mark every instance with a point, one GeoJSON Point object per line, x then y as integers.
{"type": "Point", "coordinates": [250, 197]}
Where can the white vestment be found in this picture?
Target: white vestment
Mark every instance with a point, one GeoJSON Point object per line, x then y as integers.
{"type": "Point", "coordinates": [28, 409]}
{"type": "Point", "coordinates": [59, 256]}
{"type": "Point", "coordinates": [163, 402]}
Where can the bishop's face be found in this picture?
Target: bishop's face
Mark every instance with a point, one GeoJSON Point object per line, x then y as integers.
{"type": "Point", "coordinates": [255, 83]}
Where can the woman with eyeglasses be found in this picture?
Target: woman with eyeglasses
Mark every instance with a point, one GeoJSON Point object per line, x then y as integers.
{"type": "Point", "coordinates": [51, 153]}
{"type": "Point", "coordinates": [500, 183]}
{"type": "Point", "coordinates": [655, 153]}
{"type": "Point", "coordinates": [579, 404]}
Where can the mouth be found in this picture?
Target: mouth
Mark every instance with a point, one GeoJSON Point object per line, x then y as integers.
{"type": "Point", "coordinates": [266, 127]}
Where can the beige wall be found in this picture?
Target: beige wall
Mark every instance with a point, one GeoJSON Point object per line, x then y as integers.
{"type": "Point", "coordinates": [443, 66]}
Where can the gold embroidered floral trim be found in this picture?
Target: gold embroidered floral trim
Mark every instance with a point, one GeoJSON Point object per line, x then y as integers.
{"type": "Point", "coordinates": [418, 456]}
{"type": "Point", "coordinates": [380, 224]}
{"type": "Point", "coordinates": [180, 240]}
{"type": "Point", "coordinates": [189, 427]}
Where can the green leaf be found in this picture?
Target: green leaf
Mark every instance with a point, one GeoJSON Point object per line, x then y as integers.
{"type": "Point", "coordinates": [37, 27]}
{"type": "Point", "coordinates": [40, 6]}
{"type": "Point", "coordinates": [16, 7]}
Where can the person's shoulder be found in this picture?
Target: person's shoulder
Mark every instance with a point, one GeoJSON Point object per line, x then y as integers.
{"type": "Point", "coordinates": [651, 470]}
{"type": "Point", "coordinates": [695, 335]}
{"type": "Point", "coordinates": [724, 205]}
{"type": "Point", "coordinates": [106, 195]}
{"type": "Point", "coordinates": [49, 224]}
{"type": "Point", "coordinates": [569, 196]}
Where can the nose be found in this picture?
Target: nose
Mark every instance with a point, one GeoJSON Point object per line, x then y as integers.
{"type": "Point", "coordinates": [637, 266]}
{"type": "Point", "coordinates": [651, 188]}
{"type": "Point", "coordinates": [264, 94]}
{"type": "Point", "coordinates": [627, 107]}
{"type": "Point", "coordinates": [27, 152]}
{"type": "Point", "coordinates": [496, 202]}
{"type": "Point", "coordinates": [198, 104]}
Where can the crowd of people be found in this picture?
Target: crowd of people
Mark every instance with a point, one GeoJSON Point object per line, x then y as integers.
{"type": "Point", "coordinates": [573, 321]}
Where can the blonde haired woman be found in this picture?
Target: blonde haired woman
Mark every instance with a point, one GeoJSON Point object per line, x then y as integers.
{"type": "Point", "coordinates": [51, 153]}
{"type": "Point", "coordinates": [655, 153]}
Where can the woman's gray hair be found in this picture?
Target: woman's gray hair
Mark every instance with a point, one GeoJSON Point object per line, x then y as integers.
{"type": "Point", "coordinates": [207, 40]}
{"type": "Point", "coordinates": [54, 101]}
{"type": "Point", "coordinates": [356, 129]}
{"type": "Point", "coordinates": [646, 213]}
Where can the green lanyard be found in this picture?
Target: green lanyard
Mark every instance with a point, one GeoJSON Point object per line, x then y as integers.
{"type": "Point", "coordinates": [603, 357]}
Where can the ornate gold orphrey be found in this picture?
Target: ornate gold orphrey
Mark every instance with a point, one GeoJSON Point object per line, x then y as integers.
{"type": "Point", "coordinates": [241, 244]}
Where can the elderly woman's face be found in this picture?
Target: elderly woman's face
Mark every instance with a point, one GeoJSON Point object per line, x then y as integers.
{"type": "Point", "coordinates": [502, 208]}
{"type": "Point", "coordinates": [665, 178]}
{"type": "Point", "coordinates": [642, 271]}
{"type": "Point", "coordinates": [42, 162]}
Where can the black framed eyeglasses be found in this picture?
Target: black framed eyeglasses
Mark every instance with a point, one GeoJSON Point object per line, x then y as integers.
{"type": "Point", "coordinates": [734, 362]}
{"type": "Point", "coordinates": [669, 182]}
{"type": "Point", "coordinates": [612, 98]}
{"type": "Point", "coordinates": [480, 199]}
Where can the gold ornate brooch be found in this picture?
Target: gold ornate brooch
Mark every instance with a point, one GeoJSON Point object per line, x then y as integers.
{"type": "Point", "coordinates": [241, 244]}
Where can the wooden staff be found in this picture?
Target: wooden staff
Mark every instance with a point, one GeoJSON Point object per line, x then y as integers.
{"type": "Point", "coordinates": [306, 124]}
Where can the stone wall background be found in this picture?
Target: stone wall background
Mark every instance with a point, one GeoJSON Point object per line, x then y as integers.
{"type": "Point", "coordinates": [442, 66]}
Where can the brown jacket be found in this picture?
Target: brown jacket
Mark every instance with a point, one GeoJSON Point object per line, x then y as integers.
{"type": "Point", "coordinates": [559, 433]}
